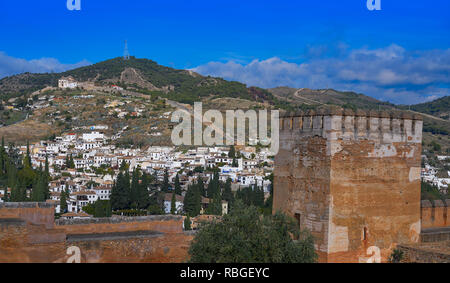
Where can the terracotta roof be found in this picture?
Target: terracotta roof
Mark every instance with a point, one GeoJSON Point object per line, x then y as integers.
{"type": "Point", "coordinates": [168, 197]}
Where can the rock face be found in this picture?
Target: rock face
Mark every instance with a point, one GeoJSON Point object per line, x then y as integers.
{"type": "Point", "coordinates": [352, 179]}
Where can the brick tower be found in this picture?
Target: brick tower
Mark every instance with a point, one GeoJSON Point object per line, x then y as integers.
{"type": "Point", "coordinates": [352, 179]}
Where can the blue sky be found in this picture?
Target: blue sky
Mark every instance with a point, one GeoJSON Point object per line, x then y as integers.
{"type": "Point", "coordinates": [399, 54]}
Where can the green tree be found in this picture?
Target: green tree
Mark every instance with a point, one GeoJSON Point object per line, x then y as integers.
{"type": "Point", "coordinates": [40, 189]}
{"type": "Point", "coordinates": [227, 194]}
{"type": "Point", "coordinates": [165, 185]}
{"type": "Point", "coordinates": [69, 162]}
{"type": "Point", "coordinates": [258, 196]}
{"type": "Point", "coordinates": [201, 186]}
{"type": "Point", "coordinates": [143, 194]}
{"type": "Point", "coordinates": [192, 200]}
{"type": "Point", "coordinates": [232, 152]}
{"type": "Point", "coordinates": [124, 166]}
{"type": "Point", "coordinates": [18, 192]}
{"type": "Point", "coordinates": [28, 154]}
{"type": "Point", "coordinates": [215, 205]}
{"type": "Point", "coordinates": [63, 201]}
{"type": "Point", "coordinates": [98, 210]}
{"type": "Point", "coordinates": [173, 204]}
{"type": "Point", "coordinates": [187, 223]}
{"type": "Point", "coordinates": [396, 256]}
{"type": "Point", "coordinates": [213, 186]}
{"type": "Point", "coordinates": [243, 236]}
{"type": "Point", "coordinates": [177, 185]}
{"type": "Point", "coordinates": [134, 189]}
{"type": "Point", "coordinates": [120, 192]}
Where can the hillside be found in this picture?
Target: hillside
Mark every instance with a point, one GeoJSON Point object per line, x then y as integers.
{"type": "Point", "coordinates": [142, 75]}
{"type": "Point", "coordinates": [151, 83]}
{"type": "Point", "coordinates": [438, 108]}
{"type": "Point", "coordinates": [329, 96]}
{"type": "Point", "coordinates": [435, 113]}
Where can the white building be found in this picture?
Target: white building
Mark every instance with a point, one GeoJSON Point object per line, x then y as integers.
{"type": "Point", "coordinates": [91, 137]}
{"type": "Point", "coordinates": [168, 203]}
{"type": "Point", "coordinates": [68, 82]}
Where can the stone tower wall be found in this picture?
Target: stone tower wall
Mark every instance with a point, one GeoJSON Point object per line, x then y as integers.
{"type": "Point", "coordinates": [352, 179]}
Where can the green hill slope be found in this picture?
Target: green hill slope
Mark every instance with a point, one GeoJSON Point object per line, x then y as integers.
{"type": "Point", "coordinates": [140, 75]}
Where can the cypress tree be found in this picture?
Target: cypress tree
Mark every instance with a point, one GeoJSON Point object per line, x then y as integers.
{"type": "Point", "coordinates": [99, 210]}
{"type": "Point", "coordinates": [134, 189]}
{"type": "Point", "coordinates": [201, 187]}
{"type": "Point", "coordinates": [177, 185]}
{"type": "Point", "coordinates": [187, 223]}
{"type": "Point", "coordinates": [63, 202]}
{"type": "Point", "coordinates": [215, 205]}
{"type": "Point", "coordinates": [232, 152]}
{"type": "Point", "coordinates": [173, 204]}
{"type": "Point", "coordinates": [108, 210]}
{"type": "Point", "coordinates": [120, 192]}
{"type": "Point", "coordinates": [12, 175]}
{"type": "Point", "coordinates": [47, 170]}
{"type": "Point", "coordinates": [192, 200]}
{"type": "Point", "coordinates": [165, 185]}
{"type": "Point", "coordinates": [259, 196]}
{"type": "Point", "coordinates": [213, 186]}
{"type": "Point", "coordinates": [123, 166]}
{"type": "Point", "coordinates": [15, 195]}
{"type": "Point", "coordinates": [71, 162]}
{"type": "Point", "coordinates": [227, 194]}
{"type": "Point", "coordinates": [144, 197]}
{"type": "Point", "coordinates": [28, 154]}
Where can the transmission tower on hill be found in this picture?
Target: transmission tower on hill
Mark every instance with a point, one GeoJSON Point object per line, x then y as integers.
{"type": "Point", "coordinates": [126, 53]}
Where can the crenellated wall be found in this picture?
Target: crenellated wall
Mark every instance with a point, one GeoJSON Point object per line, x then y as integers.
{"type": "Point", "coordinates": [333, 124]}
{"type": "Point", "coordinates": [352, 179]}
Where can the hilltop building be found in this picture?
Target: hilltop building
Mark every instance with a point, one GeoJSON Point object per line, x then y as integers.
{"type": "Point", "coordinates": [67, 82]}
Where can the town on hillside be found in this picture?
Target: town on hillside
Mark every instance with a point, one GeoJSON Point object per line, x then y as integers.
{"type": "Point", "coordinates": [87, 169]}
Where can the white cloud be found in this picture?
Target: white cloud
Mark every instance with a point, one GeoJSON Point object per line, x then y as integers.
{"type": "Point", "coordinates": [391, 73]}
{"type": "Point", "coordinates": [11, 66]}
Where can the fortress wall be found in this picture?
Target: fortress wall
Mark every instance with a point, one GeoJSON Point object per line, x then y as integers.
{"type": "Point", "coordinates": [347, 173]}
{"type": "Point", "coordinates": [38, 213]}
{"type": "Point", "coordinates": [306, 199]}
{"type": "Point", "coordinates": [15, 246]}
{"type": "Point", "coordinates": [383, 127]}
{"type": "Point", "coordinates": [27, 235]}
{"type": "Point", "coordinates": [375, 191]}
{"type": "Point", "coordinates": [160, 223]}
{"type": "Point", "coordinates": [434, 214]}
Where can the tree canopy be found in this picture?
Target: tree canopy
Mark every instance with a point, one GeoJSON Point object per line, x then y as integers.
{"type": "Point", "coordinates": [243, 236]}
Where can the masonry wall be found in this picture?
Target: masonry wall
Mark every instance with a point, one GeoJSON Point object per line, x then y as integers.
{"type": "Point", "coordinates": [304, 198]}
{"type": "Point", "coordinates": [353, 177]}
{"type": "Point", "coordinates": [32, 212]}
{"type": "Point", "coordinates": [160, 223]}
{"type": "Point", "coordinates": [434, 214]}
{"type": "Point", "coordinates": [25, 237]}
